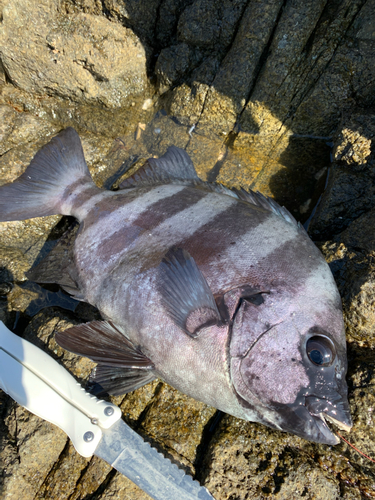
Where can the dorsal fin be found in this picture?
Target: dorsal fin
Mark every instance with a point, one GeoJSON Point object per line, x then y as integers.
{"type": "Point", "coordinates": [267, 203]}
{"type": "Point", "coordinates": [174, 166]}
{"type": "Point", "coordinates": [254, 198]}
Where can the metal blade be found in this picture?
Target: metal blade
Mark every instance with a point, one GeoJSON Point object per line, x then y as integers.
{"type": "Point", "coordinates": [126, 451]}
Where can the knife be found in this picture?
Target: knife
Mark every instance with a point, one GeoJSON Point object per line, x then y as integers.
{"type": "Point", "coordinates": [37, 382]}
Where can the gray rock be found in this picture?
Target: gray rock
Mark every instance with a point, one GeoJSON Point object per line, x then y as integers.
{"type": "Point", "coordinates": [32, 448]}
{"type": "Point", "coordinates": [238, 71]}
{"type": "Point", "coordinates": [173, 64]}
{"type": "Point", "coordinates": [208, 24]}
{"type": "Point", "coordinates": [169, 14]}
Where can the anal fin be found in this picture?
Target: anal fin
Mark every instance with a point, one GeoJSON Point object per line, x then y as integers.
{"type": "Point", "coordinates": [58, 266]}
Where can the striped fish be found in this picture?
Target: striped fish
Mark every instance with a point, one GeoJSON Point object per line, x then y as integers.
{"type": "Point", "coordinates": [218, 292]}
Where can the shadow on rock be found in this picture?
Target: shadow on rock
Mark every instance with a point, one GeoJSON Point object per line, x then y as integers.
{"type": "Point", "coordinates": [6, 286]}
{"type": "Point", "coordinates": [300, 184]}
{"type": "Point", "coordinates": [350, 191]}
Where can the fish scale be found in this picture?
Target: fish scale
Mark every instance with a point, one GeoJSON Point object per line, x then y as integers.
{"type": "Point", "coordinates": [218, 292]}
{"type": "Point", "coordinates": [139, 252]}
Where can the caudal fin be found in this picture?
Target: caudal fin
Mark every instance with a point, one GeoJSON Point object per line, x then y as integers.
{"type": "Point", "coordinates": [39, 191]}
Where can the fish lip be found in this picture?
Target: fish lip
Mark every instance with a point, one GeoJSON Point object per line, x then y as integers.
{"type": "Point", "coordinates": [321, 421]}
{"type": "Point", "coordinates": [323, 434]}
{"type": "Point", "coordinates": [341, 425]}
{"type": "Point", "coordinates": [334, 410]}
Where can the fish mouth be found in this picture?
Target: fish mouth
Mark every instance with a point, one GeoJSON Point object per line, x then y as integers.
{"type": "Point", "coordinates": [329, 436]}
{"type": "Point", "coordinates": [308, 417]}
{"type": "Point", "coordinates": [341, 425]}
{"type": "Point", "coordinates": [324, 412]}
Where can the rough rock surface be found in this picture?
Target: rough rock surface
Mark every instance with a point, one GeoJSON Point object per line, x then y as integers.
{"type": "Point", "coordinates": [257, 92]}
{"type": "Point", "coordinates": [80, 57]}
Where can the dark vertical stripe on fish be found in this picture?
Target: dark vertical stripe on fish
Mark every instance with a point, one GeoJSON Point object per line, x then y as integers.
{"type": "Point", "coordinates": [223, 230]}
{"type": "Point", "coordinates": [163, 209]}
{"type": "Point", "coordinates": [100, 208]}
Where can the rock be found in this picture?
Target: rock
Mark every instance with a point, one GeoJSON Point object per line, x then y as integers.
{"type": "Point", "coordinates": [351, 257]}
{"type": "Point", "coordinates": [141, 17]}
{"type": "Point", "coordinates": [173, 64]}
{"type": "Point", "coordinates": [237, 73]}
{"type": "Point", "coordinates": [207, 24]}
{"type": "Point", "coordinates": [351, 183]}
{"type": "Point", "coordinates": [250, 461]}
{"type": "Point", "coordinates": [181, 441]}
{"type": "Point", "coordinates": [350, 254]}
{"type": "Point", "coordinates": [186, 103]}
{"type": "Point", "coordinates": [61, 483]}
{"type": "Point", "coordinates": [19, 128]}
{"type": "Point", "coordinates": [20, 134]}
{"type": "Point", "coordinates": [13, 264]}
{"type": "Point", "coordinates": [169, 14]}
{"type": "Point", "coordinates": [36, 444]}
{"type": "Point", "coordinates": [254, 92]}
{"type": "Point", "coordinates": [285, 74]}
{"type": "Point", "coordinates": [348, 80]}
{"type": "Point", "coordinates": [81, 57]}
{"type": "Point", "coordinates": [204, 32]}
{"type": "Point", "coordinates": [300, 58]}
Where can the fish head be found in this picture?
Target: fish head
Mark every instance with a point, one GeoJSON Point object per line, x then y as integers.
{"type": "Point", "coordinates": [288, 363]}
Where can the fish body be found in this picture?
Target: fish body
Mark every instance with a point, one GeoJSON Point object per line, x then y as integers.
{"type": "Point", "coordinates": [219, 293]}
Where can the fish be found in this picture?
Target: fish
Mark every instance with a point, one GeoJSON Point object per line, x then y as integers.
{"type": "Point", "coordinates": [218, 292]}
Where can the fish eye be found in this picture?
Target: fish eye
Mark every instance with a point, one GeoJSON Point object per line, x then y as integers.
{"type": "Point", "coordinates": [320, 350]}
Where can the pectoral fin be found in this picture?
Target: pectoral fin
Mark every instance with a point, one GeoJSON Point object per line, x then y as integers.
{"type": "Point", "coordinates": [185, 293]}
{"type": "Point", "coordinates": [122, 366]}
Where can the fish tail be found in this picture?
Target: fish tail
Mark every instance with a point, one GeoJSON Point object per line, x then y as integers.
{"type": "Point", "coordinates": [44, 188]}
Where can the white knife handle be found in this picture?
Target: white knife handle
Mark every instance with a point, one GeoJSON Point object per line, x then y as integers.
{"type": "Point", "coordinates": [32, 393]}
{"type": "Point", "coordinates": [45, 388]}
